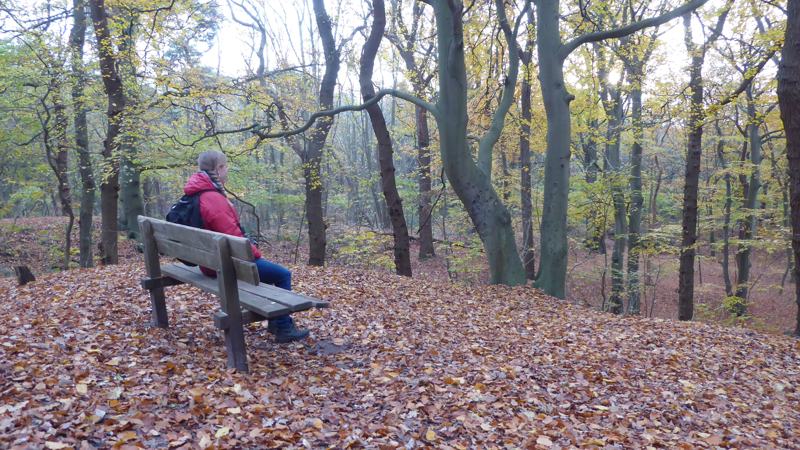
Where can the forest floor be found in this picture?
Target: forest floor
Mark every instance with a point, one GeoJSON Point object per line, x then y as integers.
{"type": "Point", "coordinates": [395, 362]}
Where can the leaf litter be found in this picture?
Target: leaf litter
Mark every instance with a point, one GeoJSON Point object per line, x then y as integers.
{"type": "Point", "coordinates": [395, 362]}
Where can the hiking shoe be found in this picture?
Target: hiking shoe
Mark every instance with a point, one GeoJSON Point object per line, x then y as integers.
{"type": "Point", "coordinates": [289, 334]}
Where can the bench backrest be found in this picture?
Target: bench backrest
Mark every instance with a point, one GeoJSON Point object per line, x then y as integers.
{"type": "Point", "coordinates": [201, 247]}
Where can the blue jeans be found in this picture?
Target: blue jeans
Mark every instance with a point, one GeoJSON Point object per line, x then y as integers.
{"type": "Point", "coordinates": [276, 275]}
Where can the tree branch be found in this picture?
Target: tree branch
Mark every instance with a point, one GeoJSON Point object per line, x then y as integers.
{"type": "Point", "coordinates": [492, 135]}
{"type": "Point", "coordinates": [332, 112]}
{"type": "Point", "coordinates": [570, 46]}
{"type": "Point", "coordinates": [749, 76]}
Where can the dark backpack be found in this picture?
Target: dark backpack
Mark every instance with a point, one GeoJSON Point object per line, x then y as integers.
{"type": "Point", "coordinates": [186, 211]}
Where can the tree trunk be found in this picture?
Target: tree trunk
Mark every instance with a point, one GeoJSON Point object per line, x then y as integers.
{"type": "Point", "coordinates": [748, 225]}
{"type": "Point", "coordinates": [552, 54]}
{"type": "Point", "coordinates": [312, 162]}
{"type": "Point", "coordinates": [690, 188]}
{"type": "Point", "coordinates": [635, 213]}
{"type": "Point", "coordinates": [654, 193]}
{"type": "Point", "coordinates": [131, 201]}
{"type": "Point", "coordinates": [789, 101]}
{"type": "Point", "coordinates": [471, 184]}
{"type": "Point", "coordinates": [528, 246]}
{"type": "Point", "coordinates": [612, 103]}
{"type": "Point", "coordinates": [553, 232]}
{"type": "Point", "coordinates": [62, 173]}
{"type": "Point", "coordinates": [130, 193]}
{"type": "Point", "coordinates": [726, 215]}
{"type": "Point", "coordinates": [595, 235]}
{"type": "Point", "coordinates": [24, 275]}
{"type": "Point", "coordinates": [407, 50]}
{"type": "Point", "coordinates": [694, 148]}
{"type": "Point", "coordinates": [402, 254]}
{"type": "Point", "coordinates": [109, 187]}
{"type": "Point", "coordinates": [76, 38]}
{"type": "Point", "coordinates": [425, 209]}
{"type": "Point", "coordinates": [56, 147]}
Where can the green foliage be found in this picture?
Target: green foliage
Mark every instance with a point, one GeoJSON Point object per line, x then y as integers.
{"type": "Point", "coordinates": [732, 304]}
{"type": "Point", "coordinates": [363, 248]}
{"type": "Point", "coordinates": [466, 261]}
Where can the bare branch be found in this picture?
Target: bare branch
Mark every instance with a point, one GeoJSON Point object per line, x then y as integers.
{"type": "Point", "coordinates": [332, 112]}
{"type": "Point", "coordinates": [745, 82]}
{"type": "Point", "coordinates": [570, 46]}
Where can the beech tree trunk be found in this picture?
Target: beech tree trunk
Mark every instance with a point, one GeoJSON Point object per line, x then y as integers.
{"type": "Point", "coordinates": [612, 103]}
{"type": "Point", "coordinates": [312, 161]}
{"type": "Point", "coordinates": [637, 201]}
{"type": "Point", "coordinates": [408, 48]}
{"type": "Point", "coordinates": [552, 54]}
{"type": "Point", "coordinates": [62, 173]}
{"type": "Point", "coordinates": [690, 188]}
{"type": "Point", "coordinates": [77, 38]}
{"type": "Point", "coordinates": [471, 183]}
{"type": "Point", "coordinates": [789, 101]}
{"type": "Point", "coordinates": [130, 193]}
{"type": "Point", "coordinates": [748, 224]}
{"type": "Point", "coordinates": [694, 148]}
{"type": "Point", "coordinates": [131, 201]}
{"type": "Point", "coordinates": [552, 275]}
{"type": "Point", "coordinates": [425, 208]}
{"type": "Point", "coordinates": [402, 254]}
{"type": "Point", "coordinates": [595, 233]}
{"type": "Point", "coordinates": [112, 83]}
{"type": "Point", "coordinates": [726, 214]}
{"type": "Point", "coordinates": [528, 248]}
{"type": "Point", "coordinates": [56, 146]}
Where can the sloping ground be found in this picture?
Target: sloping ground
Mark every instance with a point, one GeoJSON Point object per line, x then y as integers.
{"type": "Point", "coordinates": [38, 242]}
{"type": "Point", "coordinates": [394, 362]}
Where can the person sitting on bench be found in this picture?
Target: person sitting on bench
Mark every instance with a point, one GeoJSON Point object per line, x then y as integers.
{"type": "Point", "coordinates": [219, 215]}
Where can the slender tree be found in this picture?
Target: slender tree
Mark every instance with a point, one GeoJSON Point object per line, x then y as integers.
{"type": "Point", "coordinates": [112, 83]}
{"type": "Point", "coordinates": [77, 38]}
{"type": "Point", "coordinates": [312, 156]}
{"type": "Point", "coordinates": [698, 113]}
{"type": "Point", "coordinates": [402, 254]}
{"type": "Point", "coordinates": [528, 250]}
{"type": "Point", "coordinates": [635, 62]}
{"type": "Point", "coordinates": [611, 97]}
{"type": "Point", "coordinates": [406, 41]}
{"type": "Point", "coordinates": [789, 101]}
{"type": "Point", "coordinates": [552, 55]}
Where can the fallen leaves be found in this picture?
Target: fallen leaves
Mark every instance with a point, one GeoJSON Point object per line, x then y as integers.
{"type": "Point", "coordinates": [394, 362]}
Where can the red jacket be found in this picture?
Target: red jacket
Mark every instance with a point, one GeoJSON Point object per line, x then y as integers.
{"type": "Point", "coordinates": [216, 210]}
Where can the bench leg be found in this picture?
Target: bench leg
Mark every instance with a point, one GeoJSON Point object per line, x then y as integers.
{"type": "Point", "coordinates": [234, 344]}
{"type": "Point", "coordinates": [159, 308]}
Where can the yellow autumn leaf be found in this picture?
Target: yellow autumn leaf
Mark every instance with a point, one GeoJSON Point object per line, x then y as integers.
{"type": "Point", "coordinates": [115, 393]}
{"type": "Point", "coordinates": [430, 435]}
{"type": "Point", "coordinates": [544, 440]}
{"type": "Point", "coordinates": [81, 388]}
{"type": "Point", "coordinates": [222, 432]}
{"type": "Point", "coordinates": [113, 361]}
{"type": "Point", "coordinates": [56, 445]}
{"type": "Point", "coordinates": [126, 436]}
{"type": "Point", "coordinates": [236, 410]}
{"type": "Point", "coordinates": [205, 442]}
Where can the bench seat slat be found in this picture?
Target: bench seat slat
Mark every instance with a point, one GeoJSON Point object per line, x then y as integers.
{"type": "Point", "coordinates": [240, 247]}
{"type": "Point", "coordinates": [187, 252]}
{"type": "Point", "coordinates": [253, 298]}
{"type": "Point", "coordinates": [245, 270]}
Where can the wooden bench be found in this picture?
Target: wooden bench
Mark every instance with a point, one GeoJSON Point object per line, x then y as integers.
{"type": "Point", "coordinates": [242, 299]}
